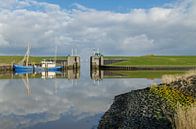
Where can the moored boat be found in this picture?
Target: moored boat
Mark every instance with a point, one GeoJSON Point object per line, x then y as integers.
{"type": "Point", "coordinates": [50, 65]}
{"type": "Point", "coordinates": [21, 68]}
{"type": "Point", "coordinates": [24, 67]}
{"type": "Point", "coordinates": [56, 68]}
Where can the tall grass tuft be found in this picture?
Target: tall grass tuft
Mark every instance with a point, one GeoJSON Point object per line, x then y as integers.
{"type": "Point", "coordinates": [184, 106]}
{"type": "Point", "coordinates": [185, 117]}
{"type": "Point", "coordinates": [172, 78]}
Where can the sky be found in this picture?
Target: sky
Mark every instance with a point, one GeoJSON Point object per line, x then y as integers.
{"type": "Point", "coordinates": [115, 27]}
{"type": "Point", "coordinates": [111, 5]}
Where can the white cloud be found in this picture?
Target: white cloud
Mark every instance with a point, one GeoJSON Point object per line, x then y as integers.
{"type": "Point", "coordinates": [47, 25]}
{"type": "Point", "coordinates": [137, 43]}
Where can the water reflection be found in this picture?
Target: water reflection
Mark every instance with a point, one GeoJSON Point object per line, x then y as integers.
{"type": "Point", "coordinates": [60, 100]}
{"type": "Point", "coordinates": [25, 80]}
{"type": "Point", "coordinates": [98, 74]}
{"type": "Point", "coordinates": [68, 74]}
{"type": "Point", "coordinates": [46, 103]}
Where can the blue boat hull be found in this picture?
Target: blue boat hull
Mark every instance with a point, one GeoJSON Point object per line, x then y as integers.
{"type": "Point", "coordinates": [21, 68]}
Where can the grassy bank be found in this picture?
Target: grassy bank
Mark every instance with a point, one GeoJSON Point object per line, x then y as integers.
{"type": "Point", "coordinates": [179, 93]}
{"type": "Point", "coordinates": [7, 60]}
{"type": "Point", "coordinates": [153, 60]}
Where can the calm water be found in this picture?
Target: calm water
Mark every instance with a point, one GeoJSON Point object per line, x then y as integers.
{"type": "Point", "coordinates": [60, 103]}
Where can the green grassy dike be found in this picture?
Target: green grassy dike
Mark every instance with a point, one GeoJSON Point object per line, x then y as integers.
{"type": "Point", "coordinates": [151, 60]}
{"type": "Point", "coordinates": [7, 60]}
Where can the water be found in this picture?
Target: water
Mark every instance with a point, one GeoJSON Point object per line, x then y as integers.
{"type": "Point", "coordinates": [74, 101]}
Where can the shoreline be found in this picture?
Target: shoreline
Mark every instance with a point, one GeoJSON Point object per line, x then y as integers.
{"type": "Point", "coordinates": [158, 106]}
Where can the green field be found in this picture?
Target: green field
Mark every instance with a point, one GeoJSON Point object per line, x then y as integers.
{"type": "Point", "coordinates": [32, 59]}
{"type": "Point", "coordinates": [154, 60]}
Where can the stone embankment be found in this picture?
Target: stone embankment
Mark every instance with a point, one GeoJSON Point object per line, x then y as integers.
{"type": "Point", "coordinates": [145, 109]}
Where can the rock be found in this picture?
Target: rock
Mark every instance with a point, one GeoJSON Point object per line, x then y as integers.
{"type": "Point", "coordinates": [142, 109]}
{"type": "Point", "coordinates": [136, 110]}
{"type": "Point", "coordinates": [186, 86]}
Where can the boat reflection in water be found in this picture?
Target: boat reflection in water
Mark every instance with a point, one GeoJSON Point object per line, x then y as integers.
{"type": "Point", "coordinates": [48, 74]}
{"type": "Point", "coordinates": [26, 75]}
{"type": "Point", "coordinates": [68, 74]}
{"type": "Point", "coordinates": [25, 80]}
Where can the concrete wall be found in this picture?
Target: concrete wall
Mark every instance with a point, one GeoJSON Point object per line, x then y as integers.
{"type": "Point", "coordinates": [73, 62]}
{"type": "Point", "coordinates": [96, 61]}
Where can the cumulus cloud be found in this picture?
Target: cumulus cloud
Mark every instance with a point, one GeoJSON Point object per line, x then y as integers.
{"type": "Point", "coordinates": [158, 30]}
{"type": "Point", "coordinates": [137, 43]}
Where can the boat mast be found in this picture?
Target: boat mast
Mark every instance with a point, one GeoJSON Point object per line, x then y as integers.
{"type": "Point", "coordinates": [27, 55]}
{"type": "Point", "coordinates": [25, 60]}
{"type": "Point", "coordinates": [55, 58]}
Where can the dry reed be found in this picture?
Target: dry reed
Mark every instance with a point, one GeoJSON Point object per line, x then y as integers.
{"type": "Point", "coordinates": [172, 78]}
{"type": "Point", "coordinates": [185, 117]}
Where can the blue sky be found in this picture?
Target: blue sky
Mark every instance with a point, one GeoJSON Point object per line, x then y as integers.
{"type": "Point", "coordinates": [112, 5]}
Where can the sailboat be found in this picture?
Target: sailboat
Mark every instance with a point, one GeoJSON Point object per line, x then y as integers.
{"type": "Point", "coordinates": [23, 66]}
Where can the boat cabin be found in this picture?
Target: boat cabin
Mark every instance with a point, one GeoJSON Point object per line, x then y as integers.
{"type": "Point", "coordinates": [48, 64]}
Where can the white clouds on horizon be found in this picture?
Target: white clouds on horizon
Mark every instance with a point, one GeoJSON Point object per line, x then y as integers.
{"type": "Point", "coordinates": [161, 30]}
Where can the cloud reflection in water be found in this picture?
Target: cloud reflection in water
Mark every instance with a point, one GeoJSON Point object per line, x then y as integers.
{"type": "Point", "coordinates": [58, 100]}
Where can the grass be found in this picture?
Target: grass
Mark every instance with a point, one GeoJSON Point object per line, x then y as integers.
{"type": "Point", "coordinates": [7, 60]}
{"type": "Point", "coordinates": [172, 96]}
{"type": "Point", "coordinates": [183, 105]}
{"type": "Point", "coordinates": [152, 60]}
